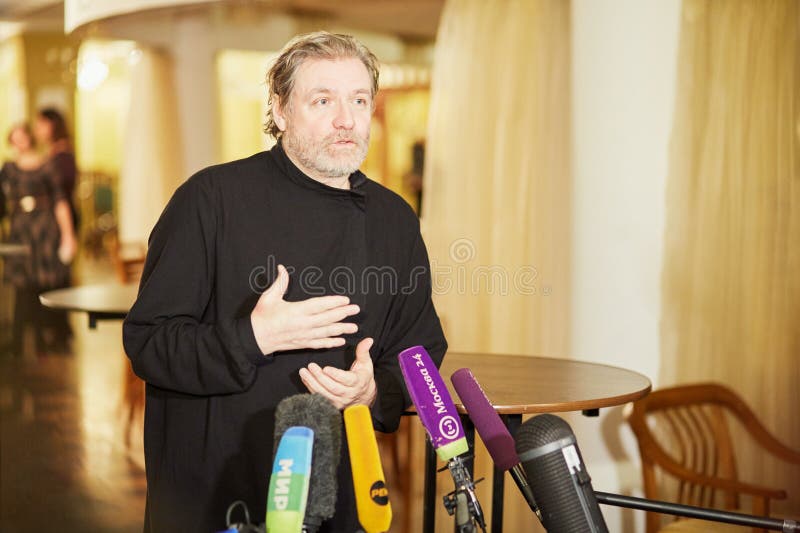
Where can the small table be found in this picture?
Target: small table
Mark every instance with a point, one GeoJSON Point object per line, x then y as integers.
{"type": "Point", "coordinates": [10, 249]}
{"type": "Point", "coordinates": [101, 302]}
{"type": "Point", "coordinates": [518, 385]}
{"type": "Point", "coordinates": [104, 302]}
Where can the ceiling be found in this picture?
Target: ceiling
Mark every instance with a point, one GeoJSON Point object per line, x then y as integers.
{"type": "Point", "coordinates": [411, 19]}
{"type": "Point", "coordinates": [33, 14]}
{"type": "Point", "coordinates": [406, 18]}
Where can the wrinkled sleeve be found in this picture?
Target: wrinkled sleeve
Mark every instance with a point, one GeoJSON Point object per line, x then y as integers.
{"type": "Point", "coordinates": [413, 322]}
{"type": "Point", "coordinates": [164, 336]}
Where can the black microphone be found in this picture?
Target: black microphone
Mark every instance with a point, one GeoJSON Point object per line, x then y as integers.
{"type": "Point", "coordinates": [560, 483]}
{"type": "Point", "coordinates": [317, 413]}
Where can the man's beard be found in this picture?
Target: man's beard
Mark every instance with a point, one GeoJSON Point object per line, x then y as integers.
{"type": "Point", "coordinates": [323, 157]}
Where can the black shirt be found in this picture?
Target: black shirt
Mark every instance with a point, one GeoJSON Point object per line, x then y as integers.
{"type": "Point", "coordinates": [211, 394]}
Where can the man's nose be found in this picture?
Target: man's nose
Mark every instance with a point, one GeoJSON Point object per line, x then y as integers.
{"type": "Point", "coordinates": [344, 117]}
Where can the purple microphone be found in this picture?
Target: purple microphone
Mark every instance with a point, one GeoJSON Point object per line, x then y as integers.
{"type": "Point", "coordinates": [439, 417]}
{"type": "Point", "coordinates": [494, 434]}
{"type": "Point", "coordinates": [435, 407]}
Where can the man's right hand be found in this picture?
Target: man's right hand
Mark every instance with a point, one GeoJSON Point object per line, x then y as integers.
{"type": "Point", "coordinates": [311, 324]}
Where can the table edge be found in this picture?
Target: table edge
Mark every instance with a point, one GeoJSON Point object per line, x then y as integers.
{"type": "Point", "coordinates": [50, 304]}
{"type": "Point", "coordinates": [561, 407]}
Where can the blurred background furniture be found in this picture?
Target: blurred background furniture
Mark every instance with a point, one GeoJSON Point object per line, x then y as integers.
{"type": "Point", "coordinates": [688, 452]}
{"type": "Point", "coordinates": [95, 197]}
{"type": "Point", "coordinates": [106, 302]}
{"type": "Point", "coordinates": [7, 296]}
{"type": "Point", "coordinates": [127, 258]}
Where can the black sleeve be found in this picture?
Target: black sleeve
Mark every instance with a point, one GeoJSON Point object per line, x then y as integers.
{"type": "Point", "coordinates": [168, 344]}
{"type": "Point", "coordinates": [413, 322]}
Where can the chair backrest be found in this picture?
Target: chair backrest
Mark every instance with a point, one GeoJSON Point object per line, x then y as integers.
{"type": "Point", "coordinates": [687, 426]}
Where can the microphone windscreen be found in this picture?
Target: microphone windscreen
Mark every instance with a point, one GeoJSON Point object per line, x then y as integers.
{"type": "Point", "coordinates": [494, 434]}
{"type": "Point", "coordinates": [559, 481]}
{"type": "Point", "coordinates": [545, 430]}
{"type": "Point", "coordinates": [315, 412]}
{"type": "Point", "coordinates": [369, 483]}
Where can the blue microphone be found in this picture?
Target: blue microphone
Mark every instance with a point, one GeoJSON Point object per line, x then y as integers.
{"type": "Point", "coordinates": [289, 483]}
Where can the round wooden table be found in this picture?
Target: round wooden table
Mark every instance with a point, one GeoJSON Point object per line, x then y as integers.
{"type": "Point", "coordinates": [518, 385]}
{"type": "Point", "coordinates": [101, 302]}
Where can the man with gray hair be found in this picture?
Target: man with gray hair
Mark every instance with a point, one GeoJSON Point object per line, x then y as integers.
{"type": "Point", "coordinates": [259, 284]}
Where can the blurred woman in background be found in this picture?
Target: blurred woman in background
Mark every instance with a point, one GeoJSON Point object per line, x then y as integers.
{"type": "Point", "coordinates": [40, 219]}
{"type": "Point", "coordinates": [51, 131]}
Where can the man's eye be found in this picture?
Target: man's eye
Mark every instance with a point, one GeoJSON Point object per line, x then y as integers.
{"type": "Point", "coordinates": [322, 101]}
{"type": "Point", "coordinates": [361, 101]}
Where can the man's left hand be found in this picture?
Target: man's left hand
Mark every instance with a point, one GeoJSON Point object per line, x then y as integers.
{"type": "Point", "coordinates": [344, 387]}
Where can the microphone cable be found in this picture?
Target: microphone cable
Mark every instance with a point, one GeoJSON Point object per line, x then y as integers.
{"type": "Point", "coordinates": [241, 527]}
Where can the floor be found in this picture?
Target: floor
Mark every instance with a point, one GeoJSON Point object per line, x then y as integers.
{"type": "Point", "coordinates": [64, 461]}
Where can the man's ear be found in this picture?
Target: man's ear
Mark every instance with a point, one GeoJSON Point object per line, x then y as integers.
{"type": "Point", "coordinates": [278, 113]}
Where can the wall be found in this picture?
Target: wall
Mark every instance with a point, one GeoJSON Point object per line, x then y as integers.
{"type": "Point", "coordinates": [13, 97]}
{"type": "Point", "coordinates": [101, 110]}
{"type": "Point", "coordinates": [36, 70]}
{"type": "Point", "coordinates": [50, 60]}
{"type": "Point", "coordinates": [242, 102]}
{"type": "Point", "coordinates": [624, 57]}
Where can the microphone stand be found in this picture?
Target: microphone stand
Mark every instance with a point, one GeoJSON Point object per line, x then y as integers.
{"type": "Point", "coordinates": [463, 519]}
{"type": "Point", "coordinates": [464, 493]}
{"type": "Point", "coordinates": [688, 511]}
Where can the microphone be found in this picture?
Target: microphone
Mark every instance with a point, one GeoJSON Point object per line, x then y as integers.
{"type": "Point", "coordinates": [495, 435]}
{"type": "Point", "coordinates": [559, 480]}
{"type": "Point", "coordinates": [435, 407]}
{"type": "Point", "coordinates": [318, 414]}
{"type": "Point", "coordinates": [369, 483]}
{"type": "Point", "coordinates": [288, 485]}
{"type": "Point", "coordinates": [439, 417]}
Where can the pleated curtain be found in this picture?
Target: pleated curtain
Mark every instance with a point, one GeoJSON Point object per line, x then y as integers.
{"type": "Point", "coordinates": [496, 193]}
{"type": "Point", "coordinates": [731, 278]}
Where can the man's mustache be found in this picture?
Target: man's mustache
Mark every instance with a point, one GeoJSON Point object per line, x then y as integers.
{"type": "Point", "coordinates": [339, 137]}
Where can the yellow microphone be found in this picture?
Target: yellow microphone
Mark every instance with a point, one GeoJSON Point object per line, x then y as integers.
{"type": "Point", "coordinates": [372, 496]}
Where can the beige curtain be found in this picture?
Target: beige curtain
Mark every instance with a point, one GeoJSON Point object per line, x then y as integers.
{"type": "Point", "coordinates": [731, 281]}
{"type": "Point", "coordinates": [151, 167]}
{"type": "Point", "coordinates": [496, 192]}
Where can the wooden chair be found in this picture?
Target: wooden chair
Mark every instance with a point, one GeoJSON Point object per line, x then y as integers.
{"type": "Point", "coordinates": [128, 261]}
{"type": "Point", "coordinates": [684, 436]}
